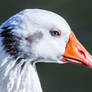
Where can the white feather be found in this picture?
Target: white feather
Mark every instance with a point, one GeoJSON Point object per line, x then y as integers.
{"type": "Point", "coordinates": [49, 48]}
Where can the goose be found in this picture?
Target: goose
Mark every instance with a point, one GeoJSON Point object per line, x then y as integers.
{"type": "Point", "coordinates": [31, 36]}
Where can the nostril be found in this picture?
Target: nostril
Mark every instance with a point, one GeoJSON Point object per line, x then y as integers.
{"type": "Point", "coordinates": [82, 53]}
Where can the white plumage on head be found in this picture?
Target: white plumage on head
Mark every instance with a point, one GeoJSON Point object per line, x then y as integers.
{"type": "Point", "coordinates": [36, 23]}
{"type": "Point", "coordinates": [25, 39]}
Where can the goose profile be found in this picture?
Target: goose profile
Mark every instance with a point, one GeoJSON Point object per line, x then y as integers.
{"type": "Point", "coordinates": [31, 36]}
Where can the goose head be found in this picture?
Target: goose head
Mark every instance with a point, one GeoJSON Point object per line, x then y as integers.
{"type": "Point", "coordinates": [41, 35]}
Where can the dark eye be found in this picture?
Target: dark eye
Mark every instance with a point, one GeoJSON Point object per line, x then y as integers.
{"type": "Point", "coordinates": [55, 33]}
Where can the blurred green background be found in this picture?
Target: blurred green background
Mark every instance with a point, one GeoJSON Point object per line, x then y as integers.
{"type": "Point", "coordinates": [66, 77]}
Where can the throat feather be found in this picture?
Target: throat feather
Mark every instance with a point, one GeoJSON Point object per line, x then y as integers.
{"type": "Point", "coordinates": [12, 79]}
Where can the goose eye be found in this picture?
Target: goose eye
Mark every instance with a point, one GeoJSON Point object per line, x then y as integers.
{"type": "Point", "coordinates": [55, 33]}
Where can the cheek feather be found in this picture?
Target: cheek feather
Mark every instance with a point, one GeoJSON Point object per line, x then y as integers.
{"type": "Point", "coordinates": [50, 48]}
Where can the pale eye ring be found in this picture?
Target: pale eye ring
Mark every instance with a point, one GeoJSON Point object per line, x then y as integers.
{"type": "Point", "coordinates": [55, 33]}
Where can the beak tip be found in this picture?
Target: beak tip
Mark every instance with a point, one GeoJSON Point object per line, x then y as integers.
{"type": "Point", "coordinates": [90, 61]}
{"type": "Point", "coordinates": [90, 65]}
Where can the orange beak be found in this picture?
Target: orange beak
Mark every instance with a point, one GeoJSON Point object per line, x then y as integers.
{"type": "Point", "coordinates": [76, 53]}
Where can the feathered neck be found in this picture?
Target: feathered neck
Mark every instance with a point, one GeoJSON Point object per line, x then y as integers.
{"type": "Point", "coordinates": [17, 77]}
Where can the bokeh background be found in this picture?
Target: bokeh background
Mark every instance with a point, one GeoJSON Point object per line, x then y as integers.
{"type": "Point", "coordinates": [78, 13]}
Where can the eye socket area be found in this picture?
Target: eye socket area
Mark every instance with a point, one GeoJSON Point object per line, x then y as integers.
{"type": "Point", "coordinates": [55, 33]}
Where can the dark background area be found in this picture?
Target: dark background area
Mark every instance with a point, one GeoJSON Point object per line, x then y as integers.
{"type": "Point", "coordinates": [56, 77]}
